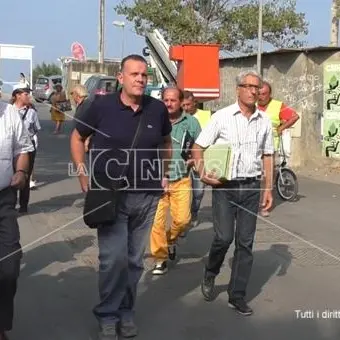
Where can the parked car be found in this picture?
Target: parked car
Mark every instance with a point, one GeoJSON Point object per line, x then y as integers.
{"type": "Point", "coordinates": [44, 87]}
{"type": "Point", "coordinates": [100, 85]}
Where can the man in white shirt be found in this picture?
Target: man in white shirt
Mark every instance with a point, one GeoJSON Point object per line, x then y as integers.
{"type": "Point", "coordinates": [249, 132]}
{"type": "Point", "coordinates": [15, 145]}
{"type": "Point", "coordinates": [22, 104]}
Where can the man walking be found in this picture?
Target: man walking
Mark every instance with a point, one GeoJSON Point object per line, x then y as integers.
{"type": "Point", "coordinates": [21, 101]}
{"type": "Point", "coordinates": [178, 197]}
{"type": "Point", "coordinates": [80, 95]}
{"type": "Point", "coordinates": [249, 132]}
{"type": "Point", "coordinates": [15, 145]}
{"type": "Point", "coordinates": [189, 105]}
{"type": "Point", "coordinates": [113, 121]}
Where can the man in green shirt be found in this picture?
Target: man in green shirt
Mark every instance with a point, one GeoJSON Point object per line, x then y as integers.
{"type": "Point", "coordinates": [190, 106]}
{"type": "Point", "coordinates": [178, 197]}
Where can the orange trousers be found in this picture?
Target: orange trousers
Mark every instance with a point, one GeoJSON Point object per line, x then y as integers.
{"type": "Point", "coordinates": [178, 199]}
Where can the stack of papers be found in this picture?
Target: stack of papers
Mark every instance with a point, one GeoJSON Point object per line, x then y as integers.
{"type": "Point", "coordinates": [219, 158]}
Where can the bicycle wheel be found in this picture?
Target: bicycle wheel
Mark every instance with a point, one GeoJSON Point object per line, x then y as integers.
{"type": "Point", "coordinates": [287, 184]}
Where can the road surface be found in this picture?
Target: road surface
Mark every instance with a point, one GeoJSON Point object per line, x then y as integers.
{"type": "Point", "coordinates": [296, 268]}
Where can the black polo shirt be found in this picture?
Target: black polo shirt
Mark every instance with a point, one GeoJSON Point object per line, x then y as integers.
{"type": "Point", "coordinates": [113, 126]}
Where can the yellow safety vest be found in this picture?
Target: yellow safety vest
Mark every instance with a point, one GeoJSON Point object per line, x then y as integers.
{"type": "Point", "coordinates": [273, 112]}
{"type": "Point", "coordinates": [203, 117]}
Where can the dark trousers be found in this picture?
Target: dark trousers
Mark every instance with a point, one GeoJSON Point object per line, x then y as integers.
{"type": "Point", "coordinates": [197, 194]}
{"type": "Point", "coordinates": [121, 250]}
{"type": "Point", "coordinates": [10, 255]}
{"type": "Point", "coordinates": [237, 201]}
{"type": "Point", "coordinates": [24, 194]}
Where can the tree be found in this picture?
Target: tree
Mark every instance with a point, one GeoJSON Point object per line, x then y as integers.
{"type": "Point", "coordinates": [231, 23]}
{"type": "Point", "coordinates": [335, 14]}
{"type": "Point", "coordinates": [45, 70]}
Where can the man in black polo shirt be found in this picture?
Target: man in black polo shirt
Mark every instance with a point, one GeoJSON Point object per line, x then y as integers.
{"type": "Point", "coordinates": [112, 120]}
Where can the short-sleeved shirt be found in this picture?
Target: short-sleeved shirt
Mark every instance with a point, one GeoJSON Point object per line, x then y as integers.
{"type": "Point", "coordinates": [31, 121]}
{"type": "Point", "coordinates": [113, 126]}
{"type": "Point", "coordinates": [14, 140]}
{"type": "Point", "coordinates": [178, 168]}
{"type": "Point", "coordinates": [250, 138]}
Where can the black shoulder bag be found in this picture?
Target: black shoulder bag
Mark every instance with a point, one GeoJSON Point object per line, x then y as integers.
{"type": "Point", "coordinates": [102, 197]}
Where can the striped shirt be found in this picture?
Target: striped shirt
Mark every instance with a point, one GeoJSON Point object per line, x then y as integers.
{"type": "Point", "coordinates": [14, 140]}
{"type": "Point", "coordinates": [250, 139]}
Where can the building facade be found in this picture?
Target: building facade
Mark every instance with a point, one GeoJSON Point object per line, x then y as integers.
{"type": "Point", "coordinates": [307, 80]}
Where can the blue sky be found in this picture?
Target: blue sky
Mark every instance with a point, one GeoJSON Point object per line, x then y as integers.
{"type": "Point", "coordinates": [52, 26]}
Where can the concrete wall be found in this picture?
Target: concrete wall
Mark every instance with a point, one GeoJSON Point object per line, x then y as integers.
{"type": "Point", "coordinates": [297, 80]}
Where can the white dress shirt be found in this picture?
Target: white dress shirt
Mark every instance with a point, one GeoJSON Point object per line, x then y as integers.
{"type": "Point", "coordinates": [14, 140]}
{"type": "Point", "coordinates": [250, 139]}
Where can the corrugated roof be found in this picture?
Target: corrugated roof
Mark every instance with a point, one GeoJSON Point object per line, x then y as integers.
{"type": "Point", "coordinates": [288, 50]}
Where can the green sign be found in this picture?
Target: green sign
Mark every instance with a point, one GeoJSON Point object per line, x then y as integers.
{"type": "Point", "coordinates": [331, 116]}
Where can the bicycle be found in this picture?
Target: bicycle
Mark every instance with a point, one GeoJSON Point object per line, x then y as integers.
{"type": "Point", "coordinates": [286, 182]}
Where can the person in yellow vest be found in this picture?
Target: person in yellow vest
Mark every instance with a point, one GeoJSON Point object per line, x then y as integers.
{"type": "Point", "coordinates": [281, 116]}
{"type": "Point", "coordinates": [190, 106]}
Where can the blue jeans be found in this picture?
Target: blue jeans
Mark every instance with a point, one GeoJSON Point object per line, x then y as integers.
{"type": "Point", "coordinates": [197, 194]}
{"type": "Point", "coordinates": [121, 249]}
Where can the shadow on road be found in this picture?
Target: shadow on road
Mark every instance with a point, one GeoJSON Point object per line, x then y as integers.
{"type": "Point", "coordinates": [54, 203]}
{"type": "Point", "coordinates": [42, 256]}
{"type": "Point", "coordinates": [267, 263]}
{"type": "Point", "coordinates": [59, 306]}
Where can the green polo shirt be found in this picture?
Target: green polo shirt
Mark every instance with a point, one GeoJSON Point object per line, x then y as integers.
{"type": "Point", "coordinates": [178, 168]}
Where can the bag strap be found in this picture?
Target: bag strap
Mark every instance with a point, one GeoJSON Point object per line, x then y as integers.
{"type": "Point", "coordinates": [135, 140]}
{"type": "Point", "coordinates": [25, 113]}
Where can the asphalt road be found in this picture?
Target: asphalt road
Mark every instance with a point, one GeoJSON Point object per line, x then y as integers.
{"type": "Point", "coordinates": [296, 267]}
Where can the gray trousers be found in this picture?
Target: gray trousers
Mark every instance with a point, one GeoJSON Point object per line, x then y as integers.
{"type": "Point", "coordinates": [121, 249]}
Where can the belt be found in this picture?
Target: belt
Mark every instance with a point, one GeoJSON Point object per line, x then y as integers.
{"type": "Point", "coordinates": [246, 179]}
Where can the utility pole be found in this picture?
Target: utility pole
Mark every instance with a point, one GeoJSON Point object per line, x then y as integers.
{"type": "Point", "coordinates": [101, 31]}
{"type": "Point", "coordinates": [335, 23]}
{"type": "Point", "coordinates": [121, 24]}
{"type": "Point", "coordinates": [259, 38]}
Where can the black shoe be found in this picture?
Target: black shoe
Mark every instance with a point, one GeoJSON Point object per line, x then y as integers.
{"type": "Point", "coordinates": [108, 332]}
{"type": "Point", "coordinates": [160, 268]}
{"type": "Point", "coordinates": [172, 252]}
{"type": "Point", "coordinates": [128, 329]}
{"type": "Point", "coordinates": [23, 210]}
{"type": "Point", "coordinates": [208, 288]}
{"type": "Point", "coordinates": [240, 306]}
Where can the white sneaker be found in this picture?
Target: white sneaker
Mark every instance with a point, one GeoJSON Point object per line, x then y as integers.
{"type": "Point", "coordinates": [160, 268]}
{"type": "Point", "coordinates": [33, 184]}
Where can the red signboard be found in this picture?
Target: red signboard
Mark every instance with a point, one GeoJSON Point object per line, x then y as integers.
{"type": "Point", "coordinates": [78, 51]}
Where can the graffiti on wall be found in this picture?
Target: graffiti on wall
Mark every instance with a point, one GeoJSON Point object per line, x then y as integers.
{"type": "Point", "coordinates": [331, 116]}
